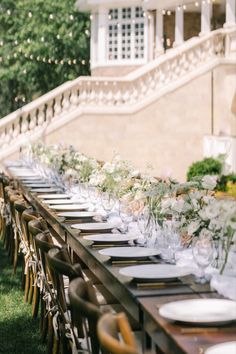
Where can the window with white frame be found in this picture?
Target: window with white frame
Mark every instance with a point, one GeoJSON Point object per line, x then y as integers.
{"type": "Point", "coordinates": [126, 34]}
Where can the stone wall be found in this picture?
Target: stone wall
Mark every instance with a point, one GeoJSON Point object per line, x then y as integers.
{"type": "Point", "coordinates": [167, 134]}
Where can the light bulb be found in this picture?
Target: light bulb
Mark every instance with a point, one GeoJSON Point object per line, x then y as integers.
{"type": "Point", "coordinates": [51, 16]}
{"type": "Point", "coordinates": [30, 14]}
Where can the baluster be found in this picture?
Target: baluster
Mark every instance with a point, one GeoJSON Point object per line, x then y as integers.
{"type": "Point", "coordinates": [32, 119]}
{"type": "Point", "coordinates": [66, 101]}
{"type": "Point", "coordinates": [24, 123]}
{"type": "Point", "coordinates": [74, 99]}
{"type": "Point", "coordinates": [16, 130]}
{"type": "Point", "coordinates": [50, 111]}
{"type": "Point", "coordinates": [41, 115]}
{"type": "Point", "coordinates": [58, 104]}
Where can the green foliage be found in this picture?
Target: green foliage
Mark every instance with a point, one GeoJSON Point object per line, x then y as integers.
{"type": "Point", "coordinates": [34, 32]}
{"type": "Point", "coordinates": [207, 166]}
{"type": "Point", "coordinates": [223, 182]}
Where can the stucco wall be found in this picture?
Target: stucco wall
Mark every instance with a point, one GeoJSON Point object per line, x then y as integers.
{"type": "Point", "coordinates": [167, 134]}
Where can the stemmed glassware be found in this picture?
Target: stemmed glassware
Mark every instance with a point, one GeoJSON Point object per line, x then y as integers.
{"type": "Point", "coordinates": [145, 225]}
{"type": "Point", "coordinates": [203, 250]}
{"type": "Point", "coordinates": [108, 202]}
{"type": "Point", "coordinates": [126, 215]}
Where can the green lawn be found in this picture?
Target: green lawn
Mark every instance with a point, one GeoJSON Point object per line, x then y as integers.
{"type": "Point", "coordinates": [19, 332]}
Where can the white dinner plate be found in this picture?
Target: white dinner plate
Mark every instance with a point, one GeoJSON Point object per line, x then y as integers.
{"type": "Point", "coordinates": [78, 214]}
{"type": "Point", "coordinates": [155, 272]}
{"type": "Point", "coordinates": [22, 174]}
{"type": "Point", "coordinates": [39, 185]}
{"type": "Point", "coordinates": [58, 201]}
{"type": "Point", "coordinates": [129, 252]}
{"type": "Point", "coordinates": [54, 196]}
{"type": "Point", "coordinates": [45, 190]}
{"type": "Point", "coordinates": [200, 311]}
{"type": "Point", "coordinates": [94, 226]}
{"type": "Point", "coordinates": [222, 348]}
{"type": "Point", "coordinates": [113, 238]}
{"type": "Point", "coordinates": [69, 207]}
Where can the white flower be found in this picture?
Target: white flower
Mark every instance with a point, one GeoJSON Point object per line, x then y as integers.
{"type": "Point", "coordinates": [108, 167]}
{"type": "Point", "coordinates": [209, 182]}
{"type": "Point", "coordinates": [193, 227]}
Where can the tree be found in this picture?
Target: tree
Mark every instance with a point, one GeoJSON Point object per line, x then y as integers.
{"type": "Point", "coordinates": [43, 43]}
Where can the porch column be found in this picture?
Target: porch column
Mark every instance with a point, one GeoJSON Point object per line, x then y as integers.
{"type": "Point", "coordinates": [159, 33]}
{"type": "Point", "coordinates": [206, 12]}
{"type": "Point", "coordinates": [179, 26]}
{"type": "Point", "coordinates": [93, 40]}
{"type": "Point", "coordinates": [230, 17]}
{"type": "Point", "coordinates": [102, 35]}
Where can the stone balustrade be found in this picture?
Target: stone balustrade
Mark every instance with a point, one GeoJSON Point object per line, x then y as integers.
{"type": "Point", "coordinates": [30, 122]}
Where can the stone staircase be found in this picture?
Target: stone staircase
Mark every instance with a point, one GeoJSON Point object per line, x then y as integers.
{"type": "Point", "coordinates": [117, 95]}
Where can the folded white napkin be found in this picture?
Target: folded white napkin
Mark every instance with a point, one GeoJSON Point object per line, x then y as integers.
{"type": "Point", "coordinates": [224, 285]}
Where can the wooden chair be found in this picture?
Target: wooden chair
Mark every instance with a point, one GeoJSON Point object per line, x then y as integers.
{"type": "Point", "coordinates": [61, 271]}
{"type": "Point", "coordinates": [35, 227]}
{"type": "Point", "coordinates": [28, 215]}
{"type": "Point", "coordinates": [108, 329]}
{"type": "Point", "coordinates": [20, 206]}
{"type": "Point", "coordinates": [43, 243]}
{"type": "Point", "coordinates": [85, 312]}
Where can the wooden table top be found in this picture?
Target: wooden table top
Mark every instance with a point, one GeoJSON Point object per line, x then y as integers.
{"type": "Point", "coordinates": [141, 303]}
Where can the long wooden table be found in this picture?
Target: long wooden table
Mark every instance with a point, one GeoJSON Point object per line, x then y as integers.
{"type": "Point", "coordinates": [140, 303]}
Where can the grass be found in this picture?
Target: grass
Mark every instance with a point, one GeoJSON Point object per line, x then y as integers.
{"type": "Point", "coordinates": [19, 332]}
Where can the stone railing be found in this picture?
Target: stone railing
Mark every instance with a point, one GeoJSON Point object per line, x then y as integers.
{"type": "Point", "coordinates": [138, 88]}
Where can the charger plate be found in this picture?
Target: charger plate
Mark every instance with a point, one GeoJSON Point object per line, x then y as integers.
{"type": "Point", "coordinates": [200, 311]}
{"type": "Point", "coordinates": [78, 214]}
{"type": "Point", "coordinates": [39, 185]}
{"type": "Point", "coordinates": [54, 196]}
{"type": "Point", "coordinates": [152, 272]}
{"type": "Point", "coordinates": [94, 226]}
{"type": "Point", "coordinates": [58, 201]}
{"type": "Point", "coordinates": [112, 238]}
{"type": "Point", "coordinates": [129, 252]}
{"type": "Point", "coordinates": [223, 348]}
{"type": "Point", "coordinates": [45, 190]}
{"type": "Point", "coordinates": [69, 207]}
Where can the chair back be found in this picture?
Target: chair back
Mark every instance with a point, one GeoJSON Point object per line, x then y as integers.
{"type": "Point", "coordinates": [84, 305]}
{"type": "Point", "coordinates": [60, 265]}
{"type": "Point", "coordinates": [109, 327]}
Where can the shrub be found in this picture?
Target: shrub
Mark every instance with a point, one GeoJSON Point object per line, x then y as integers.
{"type": "Point", "coordinates": [207, 166]}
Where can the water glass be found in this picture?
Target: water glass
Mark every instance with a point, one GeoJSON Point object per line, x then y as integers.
{"type": "Point", "coordinates": [203, 250]}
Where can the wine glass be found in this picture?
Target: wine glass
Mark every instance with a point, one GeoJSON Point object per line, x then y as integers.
{"type": "Point", "coordinates": [126, 215]}
{"type": "Point", "coordinates": [108, 202]}
{"type": "Point", "coordinates": [203, 250]}
{"type": "Point", "coordinates": [145, 225]}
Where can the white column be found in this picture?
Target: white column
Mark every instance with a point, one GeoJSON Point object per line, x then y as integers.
{"type": "Point", "coordinates": [102, 35]}
{"type": "Point", "coordinates": [94, 38]}
{"type": "Point", "coordinates": [230, 17]}
{"type": "Point", "coordinates": [159, 33]}
{"type": "Point", "coordinates": [150, 36]}
{"type": "Point", "coordinates": [179, 25]}
{"type": "Point", "coordinates": [206, 12]}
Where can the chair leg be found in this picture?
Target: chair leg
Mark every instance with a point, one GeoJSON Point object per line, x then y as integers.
{"type": "Point", "coordinates": [16, 253]}
{"type": "Point", "coordinates": [23, 274]}
{"type": "Point", "coordinates": [31, 287]}
{"type": "Point", "coordinates": [43, 321]}
{"type": "Point", "coordinates": [27, 284]}
{"type": "Point", "coordinates": [35, 301]}
{"type": "Point", "coordinates": [50, 335]}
